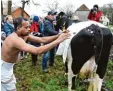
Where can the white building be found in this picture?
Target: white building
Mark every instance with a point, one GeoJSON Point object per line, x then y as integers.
{"type": "Point", "coordinates": [82, 12]}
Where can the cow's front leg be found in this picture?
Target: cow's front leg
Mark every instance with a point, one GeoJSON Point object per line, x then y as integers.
{"type": "Point", "coordinates": [71, 82]}
{"type": "Point", "coordinates": [71, 76]}
{"type": "Point", "coordinates": [66, 68]}
{"type": "Point", "coordinates": [71, 79]}
{"type": "Point", "coordinates": [95, 83]}
{"type": "Point", "coordinates": [66, 73]}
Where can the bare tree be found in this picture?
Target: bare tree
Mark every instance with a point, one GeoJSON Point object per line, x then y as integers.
{"type": "Point", "coordinates": [9, 7]}
{"type": "Point", "coordinates": [23, 5]}
{"type": "Point", "coordinates": [52, 5]}
{"type": "Point", "coordinates": [37, 4]}
{"type": "Point", "coordinates": [1, 8]}
{"type": "Point", "coordinates": [24, 2]}
{"type": "Point", "coordinates": [69, 9]}
{"type": "Point", "coordinates": [107, 9]}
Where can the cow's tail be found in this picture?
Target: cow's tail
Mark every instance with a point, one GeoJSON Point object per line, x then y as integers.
{"type": "Point", "coordinates": [98, 36]}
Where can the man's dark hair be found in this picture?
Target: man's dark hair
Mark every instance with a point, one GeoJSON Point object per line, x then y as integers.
{"type": "Point", "coordinates": [95, 6]}
{"type": "Point", "coordinates": [18, 22]}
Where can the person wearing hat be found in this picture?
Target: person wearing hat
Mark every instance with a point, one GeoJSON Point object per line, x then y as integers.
{"type": "Point", "coordinates": [52, 13]}
{"type": "Point", "coordinates": [49, 30]}
{"type": "Point", "coordinates": [34, 29]}
{"type": "Point", "coordinates": [35, 24]}
{"type": "Point", "coordinates": [95, 13]}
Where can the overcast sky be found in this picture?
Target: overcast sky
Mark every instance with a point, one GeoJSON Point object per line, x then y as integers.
{"type": "Point", "coordinates": [38, 10]}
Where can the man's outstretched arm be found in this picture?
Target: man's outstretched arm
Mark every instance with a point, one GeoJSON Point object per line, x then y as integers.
{"type": "Point", "coordinates": [21, 45]}
{"type": "Point", "coordinates": [42, 39]}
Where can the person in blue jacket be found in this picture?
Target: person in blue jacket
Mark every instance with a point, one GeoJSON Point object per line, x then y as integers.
{"type": "Point", "coordinates": [49, 30]}
{"type": "Point", "coordinates": [8, 26]}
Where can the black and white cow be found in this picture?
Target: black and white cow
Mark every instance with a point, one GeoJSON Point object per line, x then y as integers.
{"type": "Point", "coordinates": [88, 51]}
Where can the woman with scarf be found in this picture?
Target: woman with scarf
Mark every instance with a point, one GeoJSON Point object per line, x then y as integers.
{"type": "Point", "coordinates": [8, 26]}
{"type": "Point", "coordinates": [34, 29]}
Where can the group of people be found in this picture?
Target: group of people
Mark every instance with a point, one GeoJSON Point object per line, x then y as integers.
{"type": "Point", "coordinates": [40, 29]}
{"type": "Point", "coordinates": [23, 35]}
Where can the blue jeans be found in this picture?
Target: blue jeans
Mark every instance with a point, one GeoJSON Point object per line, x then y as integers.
{"type": "Point", "coordinates": [44, 60]}
{"type": "Point", "coordinates": [46, 56]}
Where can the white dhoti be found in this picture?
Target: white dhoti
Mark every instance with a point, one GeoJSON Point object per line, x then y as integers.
{"type": "Point", "coordinates": [8, 81]}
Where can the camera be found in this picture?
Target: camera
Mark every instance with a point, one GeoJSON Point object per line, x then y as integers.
{"type": "Point", "coordinates": [92, 10]}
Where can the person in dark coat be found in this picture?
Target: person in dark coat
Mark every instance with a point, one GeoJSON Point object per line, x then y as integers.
{"type": "Point", "coordinates": [49, 30]}
{"type": "Point", "coordinates": [34, 29]}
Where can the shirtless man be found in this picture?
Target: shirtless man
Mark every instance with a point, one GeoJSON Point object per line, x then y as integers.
{"type": "Point", "coordinates": [15, 43]}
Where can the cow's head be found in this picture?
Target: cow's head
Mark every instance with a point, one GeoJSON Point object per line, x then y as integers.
{"type": "Point", "coordinates": [61, 20]}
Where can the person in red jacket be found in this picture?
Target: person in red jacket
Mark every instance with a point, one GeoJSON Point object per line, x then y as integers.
{"type": "Point", "coordinates": [34, 30]}
{"type": "Point", "coordinates": [95, 14]}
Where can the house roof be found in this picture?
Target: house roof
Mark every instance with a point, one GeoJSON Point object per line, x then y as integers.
{"type": "Point", "coordinates": [83, 7]}
{"type": "Point", "coordinates": [12, 10]}
{"type": "Point", "coordinates": [15, 8]}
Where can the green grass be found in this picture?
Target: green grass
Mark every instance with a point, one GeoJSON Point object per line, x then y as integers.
{"type": "Point", "coordinates": [110, 27]}
{"type": "Point", "coordinates": [109, 76]}
{"type": "Point", "coordinates": [31, 78]}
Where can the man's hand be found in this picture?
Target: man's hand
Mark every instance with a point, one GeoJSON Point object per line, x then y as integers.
{"type": "Point", "coordinates": [66, 31]}
{"type": "Point", "coordinates": [63, 36]}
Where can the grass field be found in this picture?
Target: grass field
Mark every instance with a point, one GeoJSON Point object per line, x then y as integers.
{"type": "Point", "coordinates": [31, 78]}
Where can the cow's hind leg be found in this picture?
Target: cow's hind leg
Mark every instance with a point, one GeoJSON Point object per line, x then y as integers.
{"type": "Point", "coordinates": [96, 82]}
